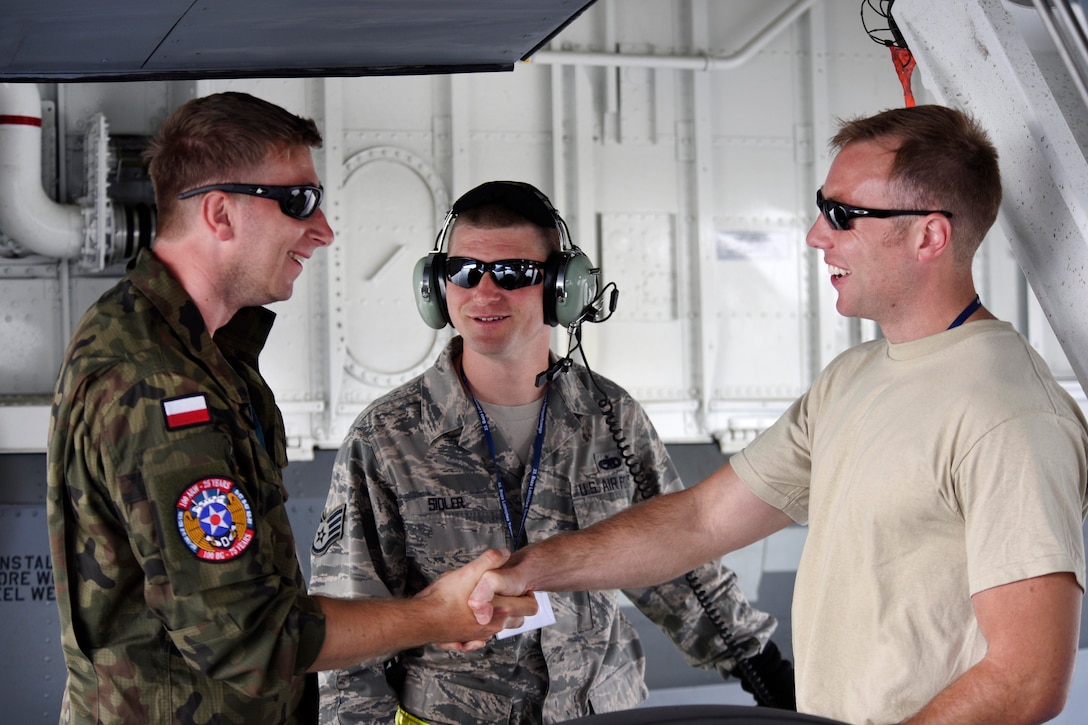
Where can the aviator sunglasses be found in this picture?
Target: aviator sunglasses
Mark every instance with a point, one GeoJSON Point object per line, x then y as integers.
{"type": "Point", "coordinates": [839, 215]}
{"type": "Point", "coordinates": [297, 202]}
{"type": "Point", "coordinates": [510, 274]}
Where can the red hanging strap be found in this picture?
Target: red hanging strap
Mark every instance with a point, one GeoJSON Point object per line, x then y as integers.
{"type": "Point", "coordinates": [904, 66]}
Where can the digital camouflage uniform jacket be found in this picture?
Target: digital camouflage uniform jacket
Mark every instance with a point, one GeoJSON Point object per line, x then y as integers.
{"type": "Point", "coordinates": [181, 598]}
{"type": "Point", "coordinates": [414, 495]}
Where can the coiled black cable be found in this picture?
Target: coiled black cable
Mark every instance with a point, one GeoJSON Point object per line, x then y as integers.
{"type": "Point", "coordinates": [646, 489]}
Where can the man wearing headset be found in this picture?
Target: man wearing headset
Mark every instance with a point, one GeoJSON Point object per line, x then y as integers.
{"type": "Point", "coordinates": [474, 454]}
{"type": "Point", "coordinates": [941, 469]}
{"type": "Point", "coordinates": [180, 594]}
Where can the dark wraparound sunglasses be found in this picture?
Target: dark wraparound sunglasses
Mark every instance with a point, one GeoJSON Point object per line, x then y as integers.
{"type": "Point", "coordinates": [839, 215]}
{"type": "Point", "coordinates": [510, 274]}
{"type": "Point", "coordinates": [298, 202]}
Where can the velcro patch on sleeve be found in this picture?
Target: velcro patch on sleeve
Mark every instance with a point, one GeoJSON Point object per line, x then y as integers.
{"type": "Point", "coordinates": [214, 519]}
{"type": "Point", "coordinates": [186, 411]}
{"type": "Point", "coordinates": [330, 530]}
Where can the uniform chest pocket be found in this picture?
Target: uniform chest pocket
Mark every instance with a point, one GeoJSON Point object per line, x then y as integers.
{"type": "Point", "coordinates": [457, 527]}
{"type": "Point", "coordinates": [598, 497]}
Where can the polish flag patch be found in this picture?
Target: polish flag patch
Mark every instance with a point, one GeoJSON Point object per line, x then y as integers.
{"type": "Point", "coordinates": [186, 411]}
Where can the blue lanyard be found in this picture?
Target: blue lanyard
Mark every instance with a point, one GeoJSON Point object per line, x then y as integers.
{"type": "Point", "coordinates": [534, 472]}
{"type": "Point", "coordinates": [967, 312]}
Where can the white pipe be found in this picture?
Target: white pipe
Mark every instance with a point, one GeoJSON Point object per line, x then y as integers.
{"type": "Point", "coordinates": [27, 215]}
{"type": "Point", "coordinates": [679, 62]}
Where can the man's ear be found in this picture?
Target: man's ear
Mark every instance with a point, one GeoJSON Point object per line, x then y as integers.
{"type": "Point", "coordinates": [936, 238]}
{"type": "Point", "coordinates": [217, 213]}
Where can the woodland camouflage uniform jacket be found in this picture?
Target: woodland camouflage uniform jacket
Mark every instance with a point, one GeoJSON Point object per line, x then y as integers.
{"type": "Point", "coordinates": [414, 495]}
{"type": "Point", "coordinates": [181, 598]}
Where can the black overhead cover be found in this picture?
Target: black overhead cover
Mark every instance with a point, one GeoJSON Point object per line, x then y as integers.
{"type": "Point", "coordinates": [94, 40]}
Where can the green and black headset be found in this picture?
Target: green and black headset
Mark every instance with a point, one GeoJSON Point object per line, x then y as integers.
{"type": "Point", "coordinates": [570, 280]}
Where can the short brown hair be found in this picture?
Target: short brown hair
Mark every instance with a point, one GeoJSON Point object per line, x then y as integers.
{"type": "Point", "coordinates": [214, 139]}
{"type": "Point", "coordinates": [944, 160]}
{"type": "Point", "coordinates": [497, 216]}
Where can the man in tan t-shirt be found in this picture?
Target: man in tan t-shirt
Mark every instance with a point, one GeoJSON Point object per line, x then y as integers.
{"type": "Point", "coordinates": [941, 469]}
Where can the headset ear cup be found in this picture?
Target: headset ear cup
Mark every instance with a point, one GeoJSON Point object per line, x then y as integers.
{"type": "Point", "coordinates": [570, 283]}
{"type": "Point", "coordinates": [429, 286]}
{"type": "Point", "coordinates": [552, 272]}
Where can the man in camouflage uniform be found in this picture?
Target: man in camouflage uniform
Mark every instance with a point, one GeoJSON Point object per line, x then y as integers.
{"type": "Point", "coordinates": [414, 493]}
{"type": "Point", "coordinates": [180, 594]}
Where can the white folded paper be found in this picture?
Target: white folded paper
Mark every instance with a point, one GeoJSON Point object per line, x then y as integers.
{"type": "Point", "coordinates": [543, 617]}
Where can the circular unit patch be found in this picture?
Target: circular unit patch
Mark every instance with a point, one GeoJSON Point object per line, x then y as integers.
{"type": "Point", "coordinates": [214, 519]}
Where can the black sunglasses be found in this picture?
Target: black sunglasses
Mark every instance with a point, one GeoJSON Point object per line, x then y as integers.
{"type": "Point", "coordinates": [839, 215]}
{"type": "Point", "coordinates": [298, 202]}
{"type": "Point", "coordinates": [510, 274]}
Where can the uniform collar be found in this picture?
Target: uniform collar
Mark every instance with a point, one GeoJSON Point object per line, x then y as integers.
{"type": "Point", "coordinates": [243, 337]}
{"type": "Point", "coordinates": [446, 407]}
{"type": "Point", "coordinates": [245, 333]}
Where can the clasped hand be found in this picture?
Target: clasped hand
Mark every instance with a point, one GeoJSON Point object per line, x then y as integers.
{"type": "Point", "coordinates": [498, 601]}
{"type": "Point", "coordinates": [493, 611]}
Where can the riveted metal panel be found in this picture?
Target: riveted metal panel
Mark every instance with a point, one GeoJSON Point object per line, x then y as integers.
{"type": "Point", "coordinates": [33, 666]}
